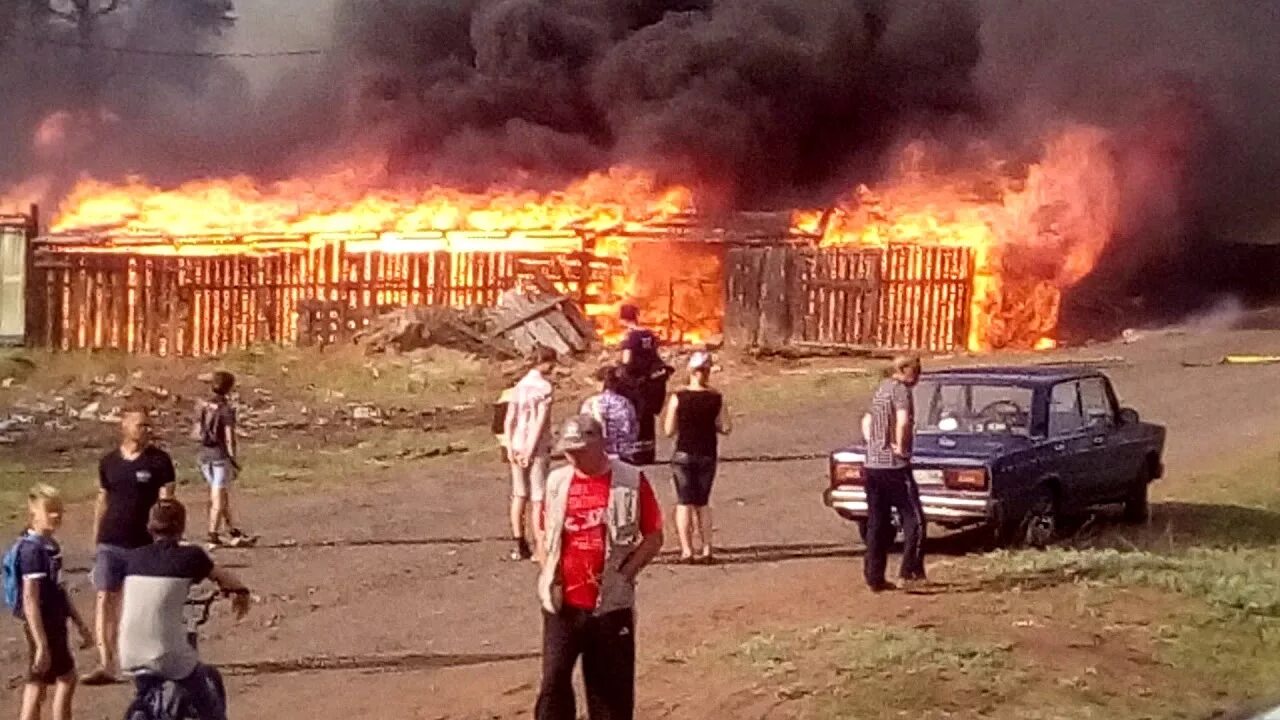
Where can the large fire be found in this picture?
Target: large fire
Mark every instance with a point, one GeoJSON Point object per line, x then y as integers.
{"type": "Point", "coordinates": [1034, 233]}
{"type": "Point", "coordinates": [355, 199]}
{"type": "Point", "coordinates": [357, 202]}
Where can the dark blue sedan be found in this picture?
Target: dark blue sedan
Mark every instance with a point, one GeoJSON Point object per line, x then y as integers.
{"type": "Point", "coordinates": [1013, 450]}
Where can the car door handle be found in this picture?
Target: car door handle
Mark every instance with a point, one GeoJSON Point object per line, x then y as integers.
{"type": "Point", "coordinates": [1100, 439]}
{"type": "Point", "coordinates": [1059, 446]}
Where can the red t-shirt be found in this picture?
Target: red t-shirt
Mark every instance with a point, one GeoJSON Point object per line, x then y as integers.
{"type": "Point", "coordinates": [583, 547]}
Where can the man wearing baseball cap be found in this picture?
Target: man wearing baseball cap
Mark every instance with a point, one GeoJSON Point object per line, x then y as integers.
{"type": "Point", "coordinates": [601, 526]}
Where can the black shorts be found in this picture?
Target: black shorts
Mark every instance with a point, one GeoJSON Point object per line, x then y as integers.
{"type": "Point", "coordinates": [61, 662]}
{"type": "Point", "coordinates": [694, 475]}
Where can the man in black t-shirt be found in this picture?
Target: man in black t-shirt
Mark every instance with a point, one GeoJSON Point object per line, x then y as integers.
{"type": "Point", "coordinates": [130, 480]}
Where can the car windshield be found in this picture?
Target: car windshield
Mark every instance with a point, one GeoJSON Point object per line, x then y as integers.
{"type": "Point", "coordinates": [972, 408]}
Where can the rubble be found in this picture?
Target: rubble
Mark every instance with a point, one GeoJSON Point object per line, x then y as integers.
{"type": "Point", "coordinates": [410, 328]}
{"type": "Point", "coordinates": [528, 316]}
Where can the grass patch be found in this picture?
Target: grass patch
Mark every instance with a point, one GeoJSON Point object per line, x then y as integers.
{"type": "Point", "coordinates": [335, 375]}
{"type": "Point", "coordinates": [1242, 582]}
{"type": "Point", "coordinates": [275, 384]}
{"type": "Point", "coordinates": [877, 671]}
{"type": "Point", "coordinates": [1228, 638]}
{"type": "Point", "coordinates": [77, 481]}
{"type": "Point", "coordinates": [294, 462]}
{"type": "Point", "coordinates": [772, 392]}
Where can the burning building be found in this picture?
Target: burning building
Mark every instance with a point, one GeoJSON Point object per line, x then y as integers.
{"type": "Point", "coordinates": [938, 177]}
{"type": "Point", "coordinates": [932, 261]}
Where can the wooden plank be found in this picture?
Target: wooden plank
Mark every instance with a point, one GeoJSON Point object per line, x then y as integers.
{"type": "Point", "coordinates": [565, 329]}
{"type": "Point", "coordinates": [97, 302]}
{"type": "Point", "coordinates": [742, 314]}
{"type": "Point", "coordinates": [545, 334]}
{"type": "Point", "coordinates": [775, 309]}
{"type": "Point", "coordinates": [77, 305]}
{"type": "Point", "coordinates": [796, 295]}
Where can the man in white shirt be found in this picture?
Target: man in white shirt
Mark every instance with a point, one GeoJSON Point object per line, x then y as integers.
{"type": "Point", "coordinates": [528, 440]}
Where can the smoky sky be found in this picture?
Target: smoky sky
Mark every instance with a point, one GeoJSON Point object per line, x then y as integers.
{"type": "Point", "coordinates": [756, 104]}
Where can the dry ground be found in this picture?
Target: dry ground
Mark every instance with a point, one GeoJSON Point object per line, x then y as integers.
{"type": "Point", "coordinates": [384, 593]}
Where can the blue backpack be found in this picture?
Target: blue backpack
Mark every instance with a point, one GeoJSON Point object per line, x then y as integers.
{"type": "Point", "coordinates": [13, 576]}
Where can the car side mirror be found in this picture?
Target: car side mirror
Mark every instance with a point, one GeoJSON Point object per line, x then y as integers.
{"type": "Point", "coordinates": [1128, 416]}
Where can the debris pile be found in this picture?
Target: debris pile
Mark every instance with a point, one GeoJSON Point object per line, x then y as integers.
{"type": "Point", "coordinates": [531, 315]}
{"type": "Point", "coordinates": [411, 328]}
{"type": "Point", "coordinates": [101, 400]}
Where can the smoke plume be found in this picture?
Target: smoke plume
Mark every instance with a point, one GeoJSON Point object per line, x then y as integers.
{"type": "Point", "coordinates": [754, 103]}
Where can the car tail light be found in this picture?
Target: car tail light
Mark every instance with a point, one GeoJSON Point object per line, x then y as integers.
{"type": "Point", "coordinates": [847, 473]}
{"type": "Point", "coordinates": [967, 479]}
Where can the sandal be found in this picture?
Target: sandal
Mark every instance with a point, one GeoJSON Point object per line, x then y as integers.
{"type": "Point", "coordinates": [98, 678]}
{"type": "Point", "coordinates": [521, 551]}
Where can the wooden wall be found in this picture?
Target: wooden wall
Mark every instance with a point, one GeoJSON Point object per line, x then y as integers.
{"type": "Point", "coordinates": [192, 305]}
{"type": "Point", "coordinates": [903, 296]}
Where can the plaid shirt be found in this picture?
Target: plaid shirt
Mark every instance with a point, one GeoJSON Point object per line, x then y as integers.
{"type": "Point", "coordinates": [618, 417]}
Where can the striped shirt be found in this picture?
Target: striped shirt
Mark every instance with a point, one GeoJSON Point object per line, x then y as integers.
{"type": "Point", "coordinates": [889, 398]}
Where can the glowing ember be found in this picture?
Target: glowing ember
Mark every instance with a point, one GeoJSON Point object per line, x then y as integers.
{"type": "Point", "coordinates": [1033, 236]}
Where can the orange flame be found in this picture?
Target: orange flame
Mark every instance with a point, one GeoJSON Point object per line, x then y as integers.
{"type": "Point", "coordinates": [1033, 236]}
{"type": "Point", "coordinates": [355, 199]}
{"type": "Point", "coordinates": [358, 204]}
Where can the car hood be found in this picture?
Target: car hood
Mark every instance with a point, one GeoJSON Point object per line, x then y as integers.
{"type": "Point", "coordinates": [943, 446]}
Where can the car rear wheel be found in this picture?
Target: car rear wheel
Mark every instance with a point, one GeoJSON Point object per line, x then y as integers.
{"type": "Point", "coordinates": [1137, 507]}
{"type": "Point", "coordinates": [1039, 525]}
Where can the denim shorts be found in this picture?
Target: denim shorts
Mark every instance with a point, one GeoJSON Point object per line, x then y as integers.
{"type": "Point", "coordinates": [694, 475]}
{"type": "Point", "coordinates": [218, 473]}
{"type": "Point", "coordinates": [109, 568]}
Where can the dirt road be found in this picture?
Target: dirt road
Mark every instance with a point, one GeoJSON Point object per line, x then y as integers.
{"type": "Point", "coordinates": [392, 599]}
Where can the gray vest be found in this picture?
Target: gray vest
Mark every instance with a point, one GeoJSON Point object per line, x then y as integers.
{"type": "Point", "coordinates": [621, 538]}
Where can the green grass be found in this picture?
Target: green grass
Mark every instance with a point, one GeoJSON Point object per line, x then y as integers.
{"type": "Point", "coordinates": [877, 671]}
{"type": "Point", "coordinates": [1224, 633]}
{"type": "Point", "coordinates": [1241, 582]}
{"type": "Point", "coordinates": [336, 375]}
{"type": "Point", "coordinates": [297, 383]}
{"type": "Point", "coordinates": [769, 391]}
{"type": "Point", "coordinates": [296, 463]}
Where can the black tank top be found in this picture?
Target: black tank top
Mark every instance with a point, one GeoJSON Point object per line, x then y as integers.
{"type": "Point", "coordinates": [696, 413]}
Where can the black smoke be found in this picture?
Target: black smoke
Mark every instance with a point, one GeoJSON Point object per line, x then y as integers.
{"type": "Point", "coordinates": [135, 87]}
{"type": "Point", "coordinates": [756, 104]}
{"type": "Point", "coordinates": [1188, 88]}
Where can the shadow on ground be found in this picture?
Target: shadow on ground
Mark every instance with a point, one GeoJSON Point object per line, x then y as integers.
{"type": "Point", "coordinates": [1182, 525]}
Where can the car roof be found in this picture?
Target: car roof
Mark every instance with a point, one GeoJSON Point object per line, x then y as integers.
{"type": "Point", "coordinates": [1048, 374]}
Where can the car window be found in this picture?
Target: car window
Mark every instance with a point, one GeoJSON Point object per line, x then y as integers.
{"type": "Point", "coordinates": [1065, 417]}
{"type": "Point", "coordinates": [968, 408]}
{"type": "Point", "coordinates": [1098, 410]}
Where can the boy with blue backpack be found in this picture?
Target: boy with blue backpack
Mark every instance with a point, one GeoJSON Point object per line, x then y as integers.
{"type": "Point", "coordinates": [33, 590]}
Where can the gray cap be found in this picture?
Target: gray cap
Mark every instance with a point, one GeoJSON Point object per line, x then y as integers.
{"type": "Point", "coordinates": [579, 432]}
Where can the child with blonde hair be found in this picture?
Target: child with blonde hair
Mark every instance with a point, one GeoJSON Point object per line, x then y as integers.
{"type": "Point", "coordinates": [35, 593]}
